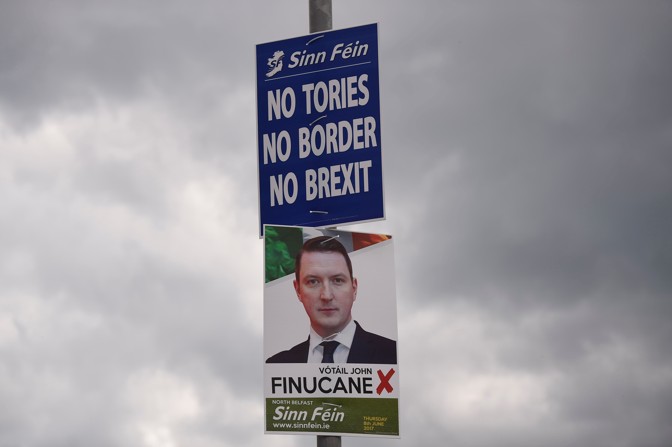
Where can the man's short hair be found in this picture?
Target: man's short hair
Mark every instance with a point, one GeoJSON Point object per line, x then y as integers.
{"type": "Point", "coordinates": [322, 244]}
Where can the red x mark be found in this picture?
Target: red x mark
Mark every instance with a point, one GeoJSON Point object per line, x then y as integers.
{"type": "Point", "coordinates": [385, 381]}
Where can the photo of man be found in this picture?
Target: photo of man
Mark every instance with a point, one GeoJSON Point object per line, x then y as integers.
{"type": "Point", "coordinates": [325, 285]}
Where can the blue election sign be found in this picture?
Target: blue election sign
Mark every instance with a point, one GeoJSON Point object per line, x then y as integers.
{"type": "Point", "coordinates": [318, 129]}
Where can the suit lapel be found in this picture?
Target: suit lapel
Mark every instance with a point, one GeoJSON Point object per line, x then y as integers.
{"type": "Point", "coordinates": [302, 352]}
{"type": "Point", "coordinates": [360, 349]}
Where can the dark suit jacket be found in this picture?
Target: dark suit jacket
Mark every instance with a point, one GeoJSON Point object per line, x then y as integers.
{"type": "Point", "coordinates": [366, 347]}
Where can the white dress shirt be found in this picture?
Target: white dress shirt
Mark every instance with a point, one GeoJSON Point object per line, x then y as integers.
{"type": "Point", "coordinates": [344, 337]}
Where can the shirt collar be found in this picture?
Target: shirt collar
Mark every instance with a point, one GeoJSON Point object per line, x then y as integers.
{"type": "Point", "coordinates": [344, 337]}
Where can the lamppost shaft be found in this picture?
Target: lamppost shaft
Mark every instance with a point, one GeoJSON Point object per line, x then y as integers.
{"type": "Point", "coordinates": [319, 15]}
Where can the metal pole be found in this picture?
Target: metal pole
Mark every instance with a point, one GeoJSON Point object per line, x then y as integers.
{"type": "Point", "coordinates": [319, 12]}
{"type": "Point", "coordinates": [328, 441]}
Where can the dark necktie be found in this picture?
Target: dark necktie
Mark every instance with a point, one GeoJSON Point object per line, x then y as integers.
{"type": "Point", "coordinates": [328, 348]}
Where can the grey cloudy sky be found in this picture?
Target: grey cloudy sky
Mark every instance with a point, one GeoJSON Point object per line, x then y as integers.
{"type": "Point", "coordinates": [527, 152]}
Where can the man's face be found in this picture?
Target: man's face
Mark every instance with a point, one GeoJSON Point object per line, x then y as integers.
{"type": "Point", "coordinates": [326, 291]}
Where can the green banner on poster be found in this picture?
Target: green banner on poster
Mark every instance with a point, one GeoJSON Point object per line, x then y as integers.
{"type": "Point", "coordinates": [347, 415]}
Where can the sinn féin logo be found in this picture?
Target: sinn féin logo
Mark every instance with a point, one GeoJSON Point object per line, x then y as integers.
{"type": "Point", "coordinates": [275, 63]}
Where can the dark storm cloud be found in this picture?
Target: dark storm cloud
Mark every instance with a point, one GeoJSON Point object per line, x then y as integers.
{"type": "Point", "coordinates": [67, 54]}
{"type": "Point", "coordinates": [556, 125]}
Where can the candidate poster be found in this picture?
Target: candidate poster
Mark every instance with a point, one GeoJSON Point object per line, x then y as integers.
{"type": "Point", "coordinates": [330, 333]}
{"type": "Point", "coordinates": [318, 129]}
